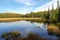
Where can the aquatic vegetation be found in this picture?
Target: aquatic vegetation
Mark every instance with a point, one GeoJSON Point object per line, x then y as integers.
{"type": "Point", "coordinates": [11, 35]}
{"type": "Point", "coordinates": [16, 36]}
{"type": "Point", "coordinates": [33, 36]}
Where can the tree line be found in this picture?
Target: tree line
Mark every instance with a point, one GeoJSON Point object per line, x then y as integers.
{"type": "Point", "coordinates": [53, 14]}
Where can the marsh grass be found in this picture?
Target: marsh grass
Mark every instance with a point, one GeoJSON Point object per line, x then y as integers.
{"type": "Point", "coordinates": [19, 19]}
{"type": "Point", "coordinates": [53, 30]}
{"type": "Point", "coordinates": [17, 36]}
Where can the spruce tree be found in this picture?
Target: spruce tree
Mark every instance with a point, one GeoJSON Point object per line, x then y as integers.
{"type": "Point", "coordinates": [52, 16]}
{"type": "Point", "coordinates": [48, 15]}
{"type": "Point", "coordinates": [58, 10]}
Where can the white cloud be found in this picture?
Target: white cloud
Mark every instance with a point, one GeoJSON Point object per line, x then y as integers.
{"type": "Point", "coordinates": [20, 10]}
{"type": "Point", "coordinates": [26, 2]}
{"type": "Point", "coordinates": [26, 10]}
{"type": "Point", "coordinates": [45, 6]}
{"type": "Point", "coordinates": [29, 6]}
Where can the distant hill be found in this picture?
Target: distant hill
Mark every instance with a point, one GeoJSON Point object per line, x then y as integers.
{"type": "Point", "coordinates": [9, 15]}
{"type": "Point", "coordinates": [30, 15]}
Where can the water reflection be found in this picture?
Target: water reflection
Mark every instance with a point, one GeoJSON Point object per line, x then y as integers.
{"type": "Point", "coordinates": [25, 27]}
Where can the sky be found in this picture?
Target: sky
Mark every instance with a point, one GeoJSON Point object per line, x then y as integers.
{"type": "Point", "coordinates": [26, 6]}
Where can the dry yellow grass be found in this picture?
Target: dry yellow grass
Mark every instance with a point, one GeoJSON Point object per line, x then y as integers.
{"type": "Point", "coordinates": [16, 19]}
{"type": "Point", "coordinates": [52, 29]}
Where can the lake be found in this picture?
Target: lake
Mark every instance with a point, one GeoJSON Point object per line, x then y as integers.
{"type": "Point", "coordinates": [26, 27]}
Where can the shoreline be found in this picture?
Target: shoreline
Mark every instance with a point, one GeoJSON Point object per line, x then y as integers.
{"type": "Point", "coordinates": [18, 19]}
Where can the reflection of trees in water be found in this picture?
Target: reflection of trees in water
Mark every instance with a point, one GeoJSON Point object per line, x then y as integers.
{"type": "Point", "coordinates": [54, 33]}
{"type": "Point", "coordinates": [32, 22]}
{"type": "Point", "coordinates": [37, 20]}
{"type": "Point", "coordinates": [59, 38]}
{"type": "Point", "coordinates": [45, 25]}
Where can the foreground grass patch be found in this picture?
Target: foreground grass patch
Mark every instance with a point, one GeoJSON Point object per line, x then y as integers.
{"type": "Point", "coordinates": [53, 30]}
{"type": "Point", "coordinates": [17, 36]}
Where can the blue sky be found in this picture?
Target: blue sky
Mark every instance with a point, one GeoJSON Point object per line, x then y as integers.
{"type": "Point", "coordinates": [24, 6]}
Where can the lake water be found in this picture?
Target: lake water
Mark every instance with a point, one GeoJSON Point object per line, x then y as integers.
{"type": "Point", "coordinates": [26, 27]}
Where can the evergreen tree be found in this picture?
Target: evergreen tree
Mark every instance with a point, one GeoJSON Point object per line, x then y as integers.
{"type": "Point", "coordinates": [52, 16]}
{"type": "Point", "coordinates": [48, 15]}
{"type": "Point", "coordinates": [58, 10]}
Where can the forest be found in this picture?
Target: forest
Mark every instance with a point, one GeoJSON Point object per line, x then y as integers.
{"type": "Point", "coordinates": [53, 14]}
{"type": "Point", "coordinates": [42, 25]}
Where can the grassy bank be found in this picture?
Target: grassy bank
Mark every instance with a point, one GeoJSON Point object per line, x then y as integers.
{"type": "Point", "coordinates": [17, 19]}
{"type": "Point", "coordinates": [53, 30]}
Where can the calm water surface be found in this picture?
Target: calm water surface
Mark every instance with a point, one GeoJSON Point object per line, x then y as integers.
{"type": "Point", "coordinates": [25, 27]}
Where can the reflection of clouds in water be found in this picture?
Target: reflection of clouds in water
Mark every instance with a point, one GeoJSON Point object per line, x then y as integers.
{"type": "Point", "coordinates": [18, 24]}
{"type": "Point", "coordinates": [23, 24]}
{"type": "Point", "coordinates": [26, 32]}
{"type": "Point", "coordinates": [39, 24]}
{"type": "Point", "coordinates": [29, 29]}
{"type": "Point", "coordinates": [25, 27]}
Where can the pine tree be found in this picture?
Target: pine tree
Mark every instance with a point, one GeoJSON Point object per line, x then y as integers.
{"type": "Point", "coordinates": [52, 12]}
{"type": "Point", "coordinates": [58, 10]}
{"type": "Point", "coordinates": [48, 15]}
